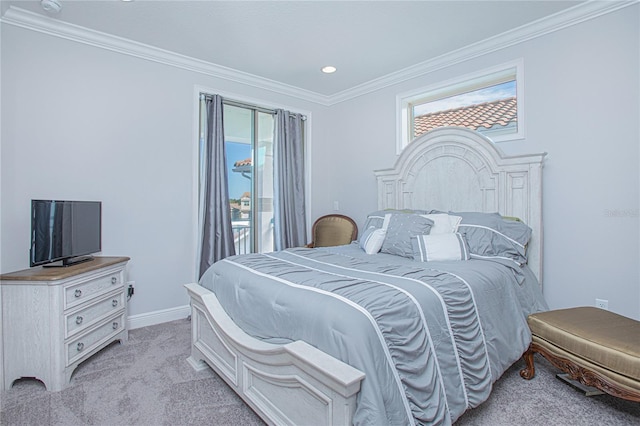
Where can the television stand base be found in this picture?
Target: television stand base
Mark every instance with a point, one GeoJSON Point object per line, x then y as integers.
{"type": "Point", "coordinates": [69, 262]}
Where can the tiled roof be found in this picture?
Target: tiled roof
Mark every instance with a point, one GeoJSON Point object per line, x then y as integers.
{"type": "Point", "coordinates": [241, 163]}
{"type": "Point", "coordinates": [488, 115]}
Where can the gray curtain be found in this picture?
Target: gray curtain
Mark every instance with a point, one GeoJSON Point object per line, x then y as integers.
{"type": "Point", "coordinates": [217, 234]}
{"type": "Point", "coordinates": [290, 226]}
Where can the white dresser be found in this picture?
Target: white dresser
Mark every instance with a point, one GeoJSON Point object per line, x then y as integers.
{"type": "Point", "coordinates": [55, 318]}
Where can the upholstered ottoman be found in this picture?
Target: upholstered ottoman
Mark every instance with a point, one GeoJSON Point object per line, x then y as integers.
{"type": "Point", "coordinates": [596, 347]}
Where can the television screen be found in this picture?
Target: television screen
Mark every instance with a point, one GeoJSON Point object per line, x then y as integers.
{"type": "Point", "coordinates": [64, 230]}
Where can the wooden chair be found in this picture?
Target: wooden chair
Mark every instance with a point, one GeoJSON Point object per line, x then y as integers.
{"type": "Point", "coordinates": [333, 230]}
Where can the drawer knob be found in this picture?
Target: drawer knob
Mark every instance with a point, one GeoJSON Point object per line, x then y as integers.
{"type": "Point", "coordinates": [79, 320]}
{"type": "Point", "coordinates": [115, 325]}
{"type": "Point", "coordinates": [80, 346]}
{"type": "Point", "coordinates": [114, 302]}
{"type": "Point", "coordinates": [114, 280]}
{"type": "Point", "coordinates": [77, 293]}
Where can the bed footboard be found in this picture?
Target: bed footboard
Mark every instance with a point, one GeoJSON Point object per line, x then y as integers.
{"type": "Point", "coordinates": [284, 384]}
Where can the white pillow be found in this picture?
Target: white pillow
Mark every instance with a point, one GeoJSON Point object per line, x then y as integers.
{"type": "Point", "coordinates": [443, 223]}
{"type": "Point", "coordinates": [372, 239]}
{"type": "Point", "coordinates": [428, 248]}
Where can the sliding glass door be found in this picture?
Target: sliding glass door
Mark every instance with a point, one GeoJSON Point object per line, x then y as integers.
{"type": "Point", "coordinates": [248, 134]}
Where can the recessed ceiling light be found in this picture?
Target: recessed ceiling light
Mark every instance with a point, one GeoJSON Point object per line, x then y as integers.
{"type": "Point", "coordinates": [51, 6]}
{"type": "Point", "coordinates": [328, 69]}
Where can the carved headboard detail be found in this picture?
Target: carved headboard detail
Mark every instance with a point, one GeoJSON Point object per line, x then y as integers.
{"type": "Point", "coordinates": [457, 169]}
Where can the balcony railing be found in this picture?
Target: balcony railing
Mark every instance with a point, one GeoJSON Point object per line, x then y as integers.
{"type": "Point", "coordinates": [241, 237]}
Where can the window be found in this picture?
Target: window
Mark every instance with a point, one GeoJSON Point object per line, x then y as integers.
{"type": "Point", "coordinates": [249, 137]}
{"type": "Point", "coordinates": [490, 102]}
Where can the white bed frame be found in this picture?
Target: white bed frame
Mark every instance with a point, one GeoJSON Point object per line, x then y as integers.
{"type": "Point", "coordinates": [446, 169]}
{"type": "Point", "coordinates": [456, 169]}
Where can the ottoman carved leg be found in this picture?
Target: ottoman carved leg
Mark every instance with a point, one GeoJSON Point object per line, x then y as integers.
{"type": "Point", "coordinates": [530, 370]}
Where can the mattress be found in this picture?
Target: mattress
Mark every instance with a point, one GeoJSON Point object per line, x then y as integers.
{"type": "Point", "coordinates": [430, 337]}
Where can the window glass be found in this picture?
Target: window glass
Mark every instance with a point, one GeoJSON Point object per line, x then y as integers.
{"type": "Point", "coordinates": [489, 102]}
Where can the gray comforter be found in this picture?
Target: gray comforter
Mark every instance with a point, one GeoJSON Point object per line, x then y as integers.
{"type": "Point", "coordinates": [431, 338]}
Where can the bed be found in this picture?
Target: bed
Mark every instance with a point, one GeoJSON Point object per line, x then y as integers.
{"type": "Point", "coordinates": [415, 333]}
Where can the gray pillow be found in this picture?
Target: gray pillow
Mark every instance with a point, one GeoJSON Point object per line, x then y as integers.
{"type": "Point", "coordinates": [489, 235]}
{"type": "Point", "coordinates": [372, 239]}
{"type": "Point", "coordinates": [376, 218]}
{"type": "Point", "coordinates": [401, 228]}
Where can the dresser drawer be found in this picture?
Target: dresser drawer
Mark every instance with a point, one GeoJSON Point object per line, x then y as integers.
{"type": "Point", "coordinates": [85, 344]}
{"type": "Point", "coordinates": [86, 290]}
{"type": "Point", "coordinates": [76, 322]}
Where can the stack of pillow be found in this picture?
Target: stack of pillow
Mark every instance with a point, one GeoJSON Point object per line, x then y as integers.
{"type": "Point", "coordinates": [436, 236]}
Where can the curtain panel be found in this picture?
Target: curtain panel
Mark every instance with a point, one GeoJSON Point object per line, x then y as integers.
{"type": "Point", "coordinates": [290, 226]}
{"type": "Point", "coordinates": [217, 241]}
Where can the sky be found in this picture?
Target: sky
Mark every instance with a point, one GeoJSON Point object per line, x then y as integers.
{"type": "Point", "coordinates": [238, 184]}
{"type": "Point", "coordinates": [500, 91]}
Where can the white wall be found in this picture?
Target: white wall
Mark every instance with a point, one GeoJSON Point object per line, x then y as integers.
{"type": "Point", "coordinates": [79, 122]}
{"type": "Point", "coordinates": [582, 107]}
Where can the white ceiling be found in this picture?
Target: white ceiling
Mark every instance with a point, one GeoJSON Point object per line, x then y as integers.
{"type": "Point", "coordinates": [289, 41]}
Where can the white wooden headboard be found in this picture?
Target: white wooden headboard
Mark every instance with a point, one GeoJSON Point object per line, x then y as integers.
{"type": "Point", "coordinates": [457, 169]}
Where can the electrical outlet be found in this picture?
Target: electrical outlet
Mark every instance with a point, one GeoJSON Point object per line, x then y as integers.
{"type": "Point", "coordinates": [602, 304]}
{"type": "Point", "coordinates": [336, 206]}
{"type": "Point", "coordinates": [130, 288]}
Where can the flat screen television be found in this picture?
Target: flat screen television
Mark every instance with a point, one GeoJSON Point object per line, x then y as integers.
{"type": "Point", "coordinates": [64, 231]}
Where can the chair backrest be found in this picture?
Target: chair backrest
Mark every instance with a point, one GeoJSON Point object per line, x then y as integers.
{"type": "Point", "coordinates": [333, 230]}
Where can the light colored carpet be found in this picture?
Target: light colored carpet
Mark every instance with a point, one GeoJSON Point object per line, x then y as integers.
{"type": "Point", "coordinates": [148, 382]}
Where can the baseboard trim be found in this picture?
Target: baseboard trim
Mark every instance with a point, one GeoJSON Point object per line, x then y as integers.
{"type": "Point", "coordinates": [158, 317]}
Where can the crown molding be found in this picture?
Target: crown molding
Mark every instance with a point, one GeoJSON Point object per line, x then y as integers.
{"type": "Point", "coordinates": [33, 21]}
{"type": "Point", "coordinates": [585, 11]}
{"type": "Point", "coordinates": [564, 19]}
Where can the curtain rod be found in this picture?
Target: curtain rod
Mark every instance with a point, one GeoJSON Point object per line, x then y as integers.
{"type": "Point", "coordinates": [239, 104]}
